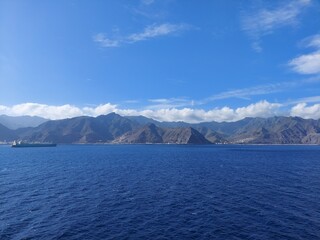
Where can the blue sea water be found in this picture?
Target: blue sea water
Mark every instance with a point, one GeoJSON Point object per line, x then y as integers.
{"type": "Point", "coordinates": [160, 192]}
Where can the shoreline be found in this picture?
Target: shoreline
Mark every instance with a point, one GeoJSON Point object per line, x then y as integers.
{"type": "Point", "coordinates": [183, 144]}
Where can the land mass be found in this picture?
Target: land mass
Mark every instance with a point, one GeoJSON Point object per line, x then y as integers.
{"type": "Point", "coordinates": [113, 128]}
{"type": "Point", "coordinates": [21, 121]}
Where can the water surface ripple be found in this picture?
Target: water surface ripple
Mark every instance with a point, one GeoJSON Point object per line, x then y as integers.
{"type": "Point", "coordinates": [160, 192]}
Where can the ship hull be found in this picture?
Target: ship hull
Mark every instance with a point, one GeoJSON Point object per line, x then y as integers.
{"type": "Point", "coordinates": [24, 145]}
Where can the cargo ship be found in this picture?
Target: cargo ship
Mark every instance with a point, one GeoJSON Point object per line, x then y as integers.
{"type": "Point", "coordinates": [32, 144]}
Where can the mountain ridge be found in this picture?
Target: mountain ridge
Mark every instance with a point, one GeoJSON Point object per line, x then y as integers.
{"type": "Point", "coordinates": [113, 128]}
{"type": "Point", "coordinates": [21, 121]}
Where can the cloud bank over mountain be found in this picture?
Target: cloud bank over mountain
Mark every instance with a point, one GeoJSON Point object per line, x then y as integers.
{"type": "Point", "coordinates": [191, 115]}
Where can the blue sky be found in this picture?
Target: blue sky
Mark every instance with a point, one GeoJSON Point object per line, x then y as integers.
{"type": "Point", "coordinates": [166, 59]}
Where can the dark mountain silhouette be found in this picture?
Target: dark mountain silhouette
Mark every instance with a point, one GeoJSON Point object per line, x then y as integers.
{"type": "Point", "coordinates": [211, 135]}
{"type": "Point", "coordinates": [150, 133]}
{"type": "Point", "coordinates": [104, 128]}
{"type": "Point", "coordinates": [184, 135]}
{"type": "Point", "coordinates": [21, 121]}
{"type": "Point", "coordinates": [7, 134]}
{"type": "Point", "coordinates": [113, 128]}
{"type": "Point", "coordinates": [278, 130]}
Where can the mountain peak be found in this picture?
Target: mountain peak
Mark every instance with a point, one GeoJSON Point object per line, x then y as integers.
{"type": "Point", "coordinates": [118, 129]}
{"type": "Point", "coordinates": [21, 121]}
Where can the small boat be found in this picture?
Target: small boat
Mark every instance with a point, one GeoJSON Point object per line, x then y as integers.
{"type": "Point", "coordinates": [32, 144]}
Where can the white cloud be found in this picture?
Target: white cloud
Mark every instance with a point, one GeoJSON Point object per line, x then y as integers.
{"type": "Point", "coordinates": [156, 31]}
{"type": "Point", "coordinates": [191, 115]}
{"type": "Point", "coordinates": [43, 110]}
{"type": "Point", "coordinates": [151, 31]}
{"type": "Point", "coordinates": [241, 93]}
{"type": "Point", "coordinates": [308, 63]}
{"type": "Point", "coordinates": [304, 111]}
{"type": "Point", "coordinates": [99, 110]}
{"type": "Point", "coordinates": [169, 103]}
{"type": "Point", "coordinates": [312, 41]}
{"type": "Point", "coordinates": [304, 100]}
{"type": "Point", "coordinates": [3, 109]}
{"type": "Point", "coordinates": [55, 112]}
{"type": "Point", "coordinates": [101, 39]}
{"type": "Point", "coordinates": [265, 21]}
{"type": "Point", "coordinates": [246, 93]}
{"type": "Point", "coordinates": [260, 109]}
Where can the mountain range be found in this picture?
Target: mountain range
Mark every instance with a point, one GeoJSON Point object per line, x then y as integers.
{"type": "Point", "coordinates": [113, 128]}
{"type": "Point", "coordinates": [21, 121]}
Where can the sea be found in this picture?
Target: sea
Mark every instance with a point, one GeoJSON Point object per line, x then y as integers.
{"type": "Point", "coordinates": [160, 192]}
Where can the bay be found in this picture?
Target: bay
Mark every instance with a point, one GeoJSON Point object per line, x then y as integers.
{"type": "Point", "coordinates": [160, 192]}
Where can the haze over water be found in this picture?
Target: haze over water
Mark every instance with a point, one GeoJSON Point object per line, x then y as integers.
{"type": "Point", "coordinates": [160, 192]}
